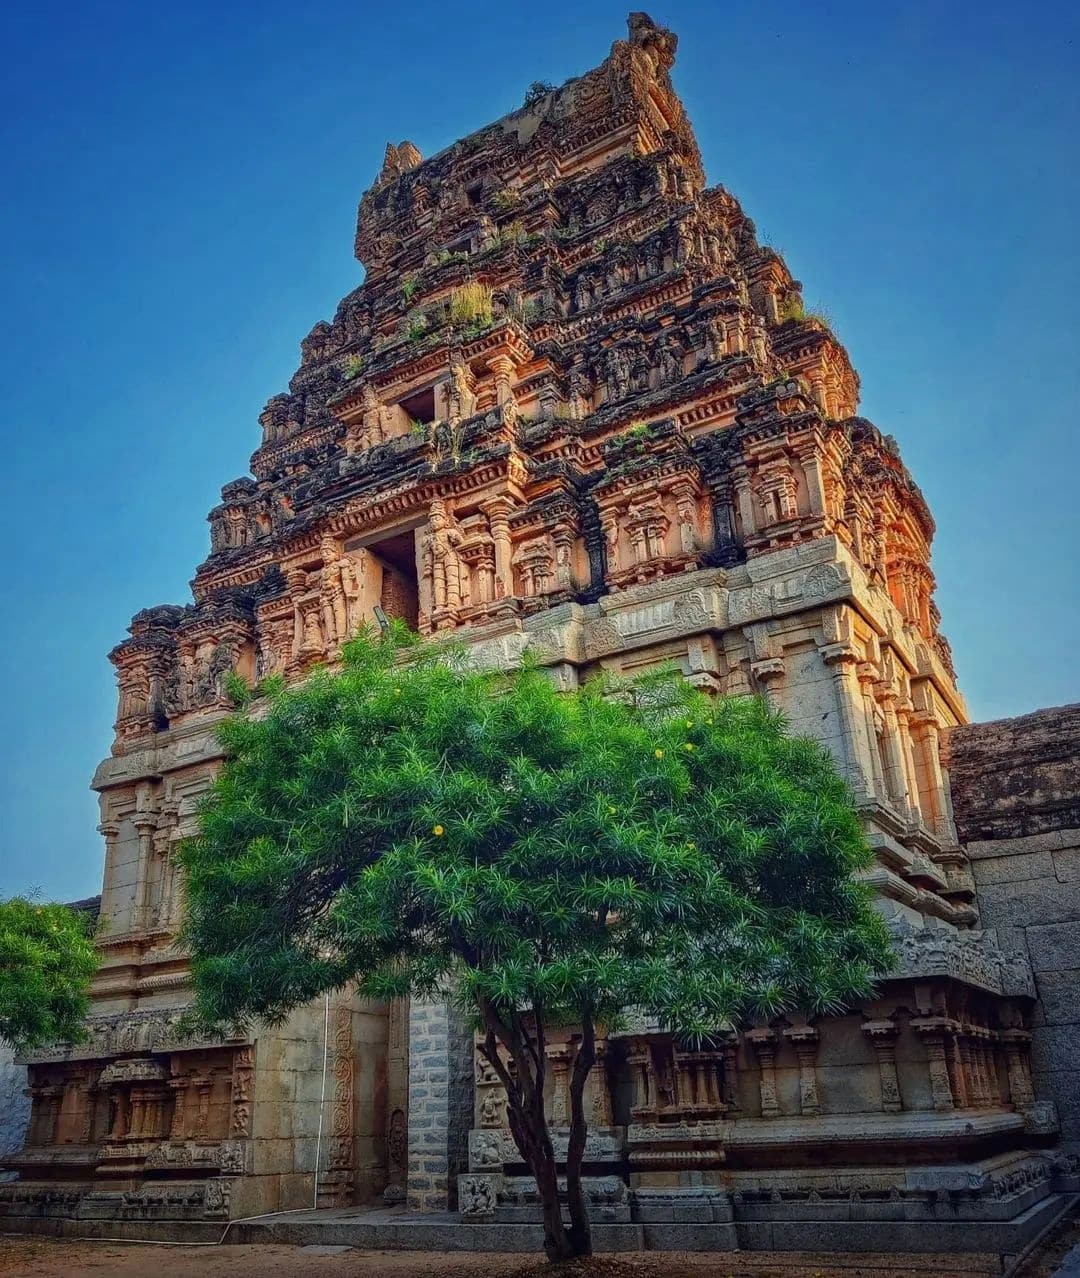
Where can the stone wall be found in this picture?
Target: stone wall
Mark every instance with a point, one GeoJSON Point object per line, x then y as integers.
{"type": "Point", "coordinates": [440, 1104]}
{"type": "Point", "coordinates": [14, 1106]}
{"type": "Point", "coordinates": [1016, 798]}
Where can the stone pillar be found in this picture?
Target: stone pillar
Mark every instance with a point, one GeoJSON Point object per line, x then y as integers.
{"type": "Point", "coordinates": [503, 367]}
{"type": "Point", "coordinates": [118, 1130]}
{"type": "Point", "coordinates": [867, 678]}
{"type": "Point", "coordinates": [559, 1057]}
{"type": "Point", "coordinates": [770, 673]}
{"type": "Point", "coordinates": [203, 1083]}
{"type": "Point", "coordinates": [805, 1042]}
{"type": "Point", "coordinates": [145, 823]}
{"type": "Point", "coordinates": [89, 1092]}
{"type": "Point", "coordinates": [924, 727]}
{"type": "Point", "coordinates": [882, 1036]}
{"type": "Point", "coordinates": [601, 1115]}
{"type": "Point", "coordinates": [933, 1030]}
{"type": "Point", "coordinates": [958, 1074]}
{"type": "Point", "coordinates": [896, 782]}
{"type": "Point", "coordinates": [842, 659]}
{"type": "Point", "coordinates": [440, 1104]}
{"type": "Point", "coordinates": [1017, 1044]}
{"type": "Point", "coordinates": [178, 1087]}
{"type": "Point", "coordinates": [36, 1096]}
{"type": "Point", "coordinates": [904, 711]}
{"type": "Point", "coordinates": [744, 503]}
{"type": "Point", "coordinates": [639, 1061]}
{"type": "Point", "coordinates": [817, 389]}
{"type": "Point", "coordinates": [498, 511]}
{"type": "Point", "coordinates": [972, 1073]}
{"type": "Point", "coordinates": [51, 1100]}
{"type": "Point", "coordinates": [763, 1042]}
{"type": "Point", "coordinates": [242, 1082]}
{"type": "Point", "coordinates": [731, 1076]}
{"type": "Point", "coordinates": [810, 461]}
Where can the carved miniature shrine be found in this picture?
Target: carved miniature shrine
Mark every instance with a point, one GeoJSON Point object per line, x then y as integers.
{"type": "Point", "coordinates": [575, 408]}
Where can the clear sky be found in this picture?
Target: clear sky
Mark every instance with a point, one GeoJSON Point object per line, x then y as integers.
{"type": "Point", "coordinates": [179, 193]}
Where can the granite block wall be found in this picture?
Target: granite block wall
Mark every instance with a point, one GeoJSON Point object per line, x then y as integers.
{"type": "Point", "coordinates": [1016, 798]}
{"type": "Point", "coordinates": [14, 1106]}
{"type": "Point", "coordinates": [440, 1104]}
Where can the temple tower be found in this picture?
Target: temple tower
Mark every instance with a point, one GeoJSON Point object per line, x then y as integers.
{"type": "Point", "coordinates": [574, 409]}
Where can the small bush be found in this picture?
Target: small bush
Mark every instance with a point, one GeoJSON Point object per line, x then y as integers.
{"type": "Point", "coordinates": [354, 366]}
{"type": "Point", "coordinates": [408, 287]}
{"type": "Point", "coordinates": [470, 305]}
{"type": "Point", "coordinates": [537, 90]}
{"type": "Point", "coordinates": [416, 326]}
{"type": "Point", "coordinates": [505, 199]}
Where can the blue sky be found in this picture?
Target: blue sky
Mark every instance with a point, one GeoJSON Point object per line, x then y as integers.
{"type": "Point", "coordinates": [179, 199]}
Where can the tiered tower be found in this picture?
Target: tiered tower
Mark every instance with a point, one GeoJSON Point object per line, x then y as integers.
{"type": "Point", "coordinates": [575, 408]}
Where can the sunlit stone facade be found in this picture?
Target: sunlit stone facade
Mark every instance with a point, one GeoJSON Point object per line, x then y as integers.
{"type": "Point", "coordinates": [575, 408]}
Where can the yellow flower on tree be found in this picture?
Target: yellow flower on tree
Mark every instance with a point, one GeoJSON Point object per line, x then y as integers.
{"type": "Point", "coordinates": [659, 753]}
{"type": "Point", "coordinates": [438, 831]}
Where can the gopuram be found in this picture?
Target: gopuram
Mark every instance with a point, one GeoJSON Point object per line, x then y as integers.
{"type": "Point", "coordinates": [576, 409]}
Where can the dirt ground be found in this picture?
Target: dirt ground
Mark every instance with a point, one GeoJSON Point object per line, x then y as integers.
{"type": "Point", "coordinates": [44, 1258]}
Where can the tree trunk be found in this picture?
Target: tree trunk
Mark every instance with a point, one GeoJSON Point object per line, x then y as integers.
{"type": "Point", "coordinates": [528, 1122]}
{"type": "Point", "coordinates": [580, 1229]}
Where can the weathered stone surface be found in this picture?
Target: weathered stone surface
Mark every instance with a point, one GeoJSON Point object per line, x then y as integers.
{"type": "Point", "coordinates": [1014, 778]}
{"type": "Point", "coordinates": [577, 409]}
{"type": "Point", "coordinates": [14, 1104]}
{"type": "Point", "coordinates": [1016, 795]}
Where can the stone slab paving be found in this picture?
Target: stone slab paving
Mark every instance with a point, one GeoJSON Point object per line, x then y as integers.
{"type": "Point", "coordinates": [1070, 1266]}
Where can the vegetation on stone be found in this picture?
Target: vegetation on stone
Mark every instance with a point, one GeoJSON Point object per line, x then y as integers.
{"type": "Point", "coordinates": [540, 858]}
{"type": "Point", "coordinates": [47, 958]}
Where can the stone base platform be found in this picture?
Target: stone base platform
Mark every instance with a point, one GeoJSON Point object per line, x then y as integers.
{"type": "Point", "coordinates": [396, 1229]}
{"type": "Point", "coordinates": [399, 1230]}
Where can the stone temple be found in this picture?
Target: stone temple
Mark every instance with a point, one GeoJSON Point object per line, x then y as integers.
{"type": "Point", "coordinates": [575, 408]}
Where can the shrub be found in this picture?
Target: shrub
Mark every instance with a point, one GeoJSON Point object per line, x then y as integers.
{"type": "Point", "coordinates": [470, 304]}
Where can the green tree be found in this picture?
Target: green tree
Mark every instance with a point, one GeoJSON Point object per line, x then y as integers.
{"type": "Point", "coordinates": [47, 958]}
{"type": "Point", "coordinates": [540, 858]}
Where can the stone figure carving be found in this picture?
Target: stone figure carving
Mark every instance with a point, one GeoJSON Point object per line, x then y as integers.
{"type": "Point", "coordinates": [617, 367]}
{"type": "Point", "coordinates": [341, 592]}
{"type": "Point", "coordinates": [491, 1108]}
{"type": "Point", "coordinates": [462, 400]}
{"type": "Point", "coordinates": [444, 538]}
{"type": "Point", "coordinates": [670, 361]}
{"type": "Point", "coordinates": [307, 618]}
{"type": "Point", "coordinates": [477, 1195]}
{"type": "Point", "coordinates": [485, 1150]}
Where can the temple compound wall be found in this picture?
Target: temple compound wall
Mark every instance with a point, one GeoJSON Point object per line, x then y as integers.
{"type": "Point", "coordinates": [575, 409]}
{"type": "Point", "coordinates": [14, 1103]}
{"type": "Point", "coordinates": [1016, 790]}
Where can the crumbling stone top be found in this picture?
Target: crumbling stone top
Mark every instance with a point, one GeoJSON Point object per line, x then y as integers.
{"type": "Point", "coordinates": [1012, 778]}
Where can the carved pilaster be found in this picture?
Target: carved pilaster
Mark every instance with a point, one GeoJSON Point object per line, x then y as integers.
{"type": "Point", "coordinates": [179, 1088]}
{"type": "Point", "coordinates": [842, 660]}
{"type": "Point", "coordinates": [1017, 1044]}
{"type": "Point", "coordinates": [731, 1078]}
{"type": "Point", "coordinates": [242, 1083]}
{"type": "Point", "coordinates": [770, 675]}
{"type": "Point", "coordinates": [203, 1084]}
{"type": "Point", "coordinates": [601, 1115]}
{"type": "Point", "coordinates": [805, 1042]}
{"type": "Point", "coordinates": [763, 1041]}
{"type": "Point", "coordinates": [559, 1058]}
{"type": "Point", "coordinates": [882, 1036]}
{"type": "Point", "coordinates": [498, 511]}
{"type": "Point", "coordinates": [935, 1031]}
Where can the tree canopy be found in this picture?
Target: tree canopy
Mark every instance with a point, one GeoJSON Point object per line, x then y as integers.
{"type": "Point", "coordinates": [415, 827]}
{"type": "Point", "coordinates": [47, 958]}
